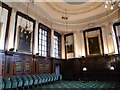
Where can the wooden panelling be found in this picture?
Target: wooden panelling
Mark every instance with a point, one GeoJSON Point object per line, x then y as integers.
{"type": "Point", "coordinates": [98, 68]}
{"type": "Point", "coordinates": [8, 66]}
{"type": "Point", "coordinates": [43, 65]}
{"type": "Point", "coordinates": [15, 64]}
{"type": "Point", "coordinates": [56, 62]}
{"type": "Point", "coordinates": [2, 63]}
{"type": "Point", "coordinates": [22, 64]}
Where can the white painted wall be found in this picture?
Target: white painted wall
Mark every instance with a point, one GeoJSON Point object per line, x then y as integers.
{"type": "Point", "coordinates": [3, 21]}
{"type": "Point", "coordinates": [108, 41]}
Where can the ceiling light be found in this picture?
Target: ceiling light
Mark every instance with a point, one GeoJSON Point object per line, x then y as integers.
{"type": "Point", "coordinates": [111, 3]}
{"type": "Point", "coordinates": [111, 7]}
{"type": "Point", "coordinates": [106, 1]}
{"type": "Point", "coordinates": [119, 4]}
{"type": "Point", "coordinates": [105, 6]}
{"type": "Point", "coordinates": [65, 18]}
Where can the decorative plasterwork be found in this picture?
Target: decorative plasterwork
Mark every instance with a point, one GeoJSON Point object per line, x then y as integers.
{"type": "Point", "coordinates": [42, 16]}
{"type": "Point", "coordinates": [78, 9]}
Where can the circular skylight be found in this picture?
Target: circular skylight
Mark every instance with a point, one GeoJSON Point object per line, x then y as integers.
{"type": "Point", "coordinates": [75, 2]}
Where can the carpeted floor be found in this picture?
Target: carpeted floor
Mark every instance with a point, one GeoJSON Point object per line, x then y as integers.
{"type": "Point", "coordinates": [79, 84]}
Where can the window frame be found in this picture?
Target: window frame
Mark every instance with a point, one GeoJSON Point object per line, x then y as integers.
{"type": "Point", "coordinates": [45, 28]}
{"type": "Point", "coordinates": [100, 37]}
{"type": "Point", "coordinates": [5, 6]}
{"type": "Point", "coordinates": [18, 13]}
{"type": "Point", "coordinates": [59, 44]}
{"type": "Point", "coordinates": [65, 40]}
{"type": "Point", "coordinates": [114, 28]}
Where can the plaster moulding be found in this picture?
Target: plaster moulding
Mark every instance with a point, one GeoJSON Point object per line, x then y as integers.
{"type": "Point", "coordinates": [61, 27]}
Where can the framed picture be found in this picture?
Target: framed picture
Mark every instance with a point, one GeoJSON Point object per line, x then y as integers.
{"type": "Point", "coordinates": [70, 48]}
{"type": "Point", "coordinates": [93, 45]}
{"type": "Point", "coordinates": [24, 40]}
{"type": "Point", "coordinates": [69, 45]}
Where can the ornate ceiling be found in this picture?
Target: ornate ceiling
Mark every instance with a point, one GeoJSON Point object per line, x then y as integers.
{"type": "Point", "coordinates": [78, 14]}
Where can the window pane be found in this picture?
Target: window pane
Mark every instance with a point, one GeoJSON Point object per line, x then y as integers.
{"type": "Point", "coordinates": [55, 46]}
{"type": "Point", "coordinates": [45, 49]}
{"type": "Point", "coordinates": [46, 43]}
{"type": "Point", "coordinates": [39, 41]}
{"type": "Point", "coordinates": [39, 47]}
{"type": "Point", "coordinates": [42, 48]}
{"type": "Point", "coordinates": [45, 53]}
{"type": "Point", "coordinates": [43, 44]}
{"type": "Point", "coordinates": [40, 52]}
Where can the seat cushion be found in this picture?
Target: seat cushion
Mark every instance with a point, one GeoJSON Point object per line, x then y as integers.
{"type": "Point", "coordinates": [14, 82]}
{"type": "Point", "coordinates": [30, 79]}
{"type": "Point", "coordinates": [25, 81]}
{"type": "Point", "coordinates": [20, 81]}
{"type": "Point", "coordinates": [35, 80]}
{"type": "Point", "coordinates": [7, 82]}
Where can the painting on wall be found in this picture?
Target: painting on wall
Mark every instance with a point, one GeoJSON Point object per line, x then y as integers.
{"type": "Point", "coordinates": [93, 45]}
{"type": "Point", "coordinates": [70, 48]}
{"type": "Point", "coordinates": [24, 41]}
{"type": "Point", "coordinates": [69, 45]}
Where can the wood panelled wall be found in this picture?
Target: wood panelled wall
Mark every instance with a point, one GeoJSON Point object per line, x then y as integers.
{"type": "Point", "coordinates": [98, 68]}
{"type": "Point", "coordinates": [14, 64]}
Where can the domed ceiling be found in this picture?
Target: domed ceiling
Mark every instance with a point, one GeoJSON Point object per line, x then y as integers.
{"type": "Point", "coordinates": [77, 13]}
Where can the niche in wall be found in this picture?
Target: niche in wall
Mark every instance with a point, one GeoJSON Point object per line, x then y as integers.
{"type": "Point", "coordinates": [69, 45]}
{"type": "Point", "coordinates": [24, 33]}
{"type": "Point", "coordinates": [116, 27]}
{"type": "Point", "coordinates": [93, 41]}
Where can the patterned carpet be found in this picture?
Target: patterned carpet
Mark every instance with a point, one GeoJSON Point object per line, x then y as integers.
{"type": "Point", "coordinates": [82, 85]}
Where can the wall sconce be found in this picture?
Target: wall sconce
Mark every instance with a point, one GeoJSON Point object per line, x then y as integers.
{"type": "Point", "coordinates": [83, 56]}
{"type": "Point", "coordinates": [106, 54]}
{"type": "Point", "coordinates": [84, 69]}
{"type": "Point", "coordinates": [112, 68]}
{"type": "Point", "coordinates": [11, 49]}
{"type": "Point", "coordinates": [37, 53]}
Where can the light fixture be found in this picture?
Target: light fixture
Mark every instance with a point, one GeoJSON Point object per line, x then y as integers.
{"type": "Point", "coordinates": [111, 7]}
{"type": "Point", "coordinates": [106, 1]}
{"type": "Point", "coordinates": [65, 18]}
{"type": "Point", "coordinates": [27, 27]}
{"type": "Point", "coordinates": [105, 6]}
{"type": "Point", "coordinates": [112, 68]}
{"type": "Point", "coordinates": [11, 49]}
{"type": "Point", "coordinates": [111, 3]}
{"type": "Point", "coordinates": [37, 53]}
{"type": "Point", "coordinates": [84, 69]}
{"type": "Point", "coordinates": [83, 56]}
{"type": "Point", "coordinates": [119, 4]}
